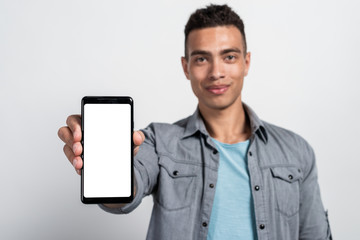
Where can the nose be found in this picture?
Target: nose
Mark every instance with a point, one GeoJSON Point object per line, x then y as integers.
{"type": "Point", "coordinates": [216, 70]}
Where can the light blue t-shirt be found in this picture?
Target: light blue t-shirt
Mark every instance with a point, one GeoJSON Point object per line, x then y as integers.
{"type": "Point", "coordinates": [232, 215]}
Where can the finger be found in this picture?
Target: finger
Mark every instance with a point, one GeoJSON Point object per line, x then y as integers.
{"type": "Point", "coordinates": [76, 161]}
{"type": "Point", "coordinates": [74, 123]}
{"type": "Point", "coordinates": [69, 153]}
{"type": "Point", "coordinates": [66, 135]}
{"type": "Point", "coordinates": [136, 149]}
{"type": "Point", "coordinates": [77, 148]}
{"type": "Point", "coordinates": [138, 138]}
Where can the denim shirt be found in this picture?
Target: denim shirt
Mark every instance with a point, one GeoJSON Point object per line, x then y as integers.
{"type": "Point", "coordinates": [178, 163]}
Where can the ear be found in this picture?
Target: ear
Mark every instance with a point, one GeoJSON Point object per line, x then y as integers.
{"type": "Point", "coordinates": [184, 64]}
{"type": "Point", "coordinates": [247, 62]}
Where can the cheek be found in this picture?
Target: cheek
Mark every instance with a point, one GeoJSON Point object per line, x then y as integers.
{"type": "Point", "coordinates": [236, 70]}
{"type": "Point", "coordinates": [198, 73]}
{"type": "Point", "coordinates": [196, 80]}
{"type": "Point", "coordinates": [195, 84]}
{"type": "Point", "coordinates": [195, 88]}
{"type": "Point", "coordinates": [237, 73]}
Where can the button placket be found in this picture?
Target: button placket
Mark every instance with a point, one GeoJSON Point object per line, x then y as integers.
{"type": "Point", "coordinates": [255, 176]}
{"type": "Point", "coordinates": [257, 187]}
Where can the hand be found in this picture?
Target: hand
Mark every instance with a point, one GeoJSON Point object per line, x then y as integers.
{"type": "Point", "coordinates": [71, 136]}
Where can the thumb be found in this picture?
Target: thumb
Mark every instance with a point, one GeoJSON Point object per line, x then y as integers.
{"type": "Point", "coordinates": [138, 138]}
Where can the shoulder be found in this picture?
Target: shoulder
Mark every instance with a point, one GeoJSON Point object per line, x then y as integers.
{"type": "Point", "coordinates": [289, 144]}
{"type": "Point", "coordinates": [170, 139]}
{"type": "Point", "coordinates": [157, 130]}
{"type": "Point", "coordinates": [284, 135]}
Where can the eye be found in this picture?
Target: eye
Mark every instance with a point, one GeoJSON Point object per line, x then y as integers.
{"type": "Point", "coordinates": [230, 57]}
{"type": "Point", "coordinates": [200, 59]}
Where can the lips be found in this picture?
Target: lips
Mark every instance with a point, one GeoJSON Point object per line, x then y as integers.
{"type": "Point", "coordinates": [218, 89]}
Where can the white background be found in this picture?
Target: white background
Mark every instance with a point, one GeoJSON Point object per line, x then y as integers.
{"type": "Point", "coordinates": [304, 76]}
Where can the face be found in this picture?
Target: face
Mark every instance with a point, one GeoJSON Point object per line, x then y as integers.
{"type": "Point", "coordinates": [216, 66]}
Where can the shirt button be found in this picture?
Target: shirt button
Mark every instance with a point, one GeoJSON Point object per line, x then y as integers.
{"type": "Point", "coordinates": [291, 177]}
{"type": "Point", "coordinates": [250, 153]}
{"type": "Point", "coordinates": [262, 226]}
{"type": "Point", "coordinates": [257, 188]}
{"type": "Point", "coordinates": [211, 185]}
{"type": "Point", "coordinates": [204, 224]}
{"type": "Point", "coordinates": [175, 173]}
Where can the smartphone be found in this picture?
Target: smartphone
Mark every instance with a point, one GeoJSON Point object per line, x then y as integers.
{"type": "Point", "coordinates": [107, 127]}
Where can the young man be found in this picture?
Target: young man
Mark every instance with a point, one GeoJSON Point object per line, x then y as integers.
{"type": "Point", "coordinates": [221, 173]}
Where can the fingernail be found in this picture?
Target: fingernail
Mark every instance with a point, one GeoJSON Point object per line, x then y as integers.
{"type": "Point", "coordinates": [74, 163]}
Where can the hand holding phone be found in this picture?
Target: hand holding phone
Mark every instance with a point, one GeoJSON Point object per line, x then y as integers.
{"type": "Point", "coordinates": [71, 135]}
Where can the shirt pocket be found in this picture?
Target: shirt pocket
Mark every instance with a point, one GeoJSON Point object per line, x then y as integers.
{"type": "Point", "coordinates": [287, 191]}
{"type": "Point", "coordinates": [176, 183]}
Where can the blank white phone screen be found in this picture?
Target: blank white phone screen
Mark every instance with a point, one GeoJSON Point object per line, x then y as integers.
{"type": "Point", "coordinates": [107, 150]}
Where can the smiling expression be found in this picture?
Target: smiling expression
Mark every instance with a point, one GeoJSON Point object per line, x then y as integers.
{"type": "Point", "coordinates": [216, 66]}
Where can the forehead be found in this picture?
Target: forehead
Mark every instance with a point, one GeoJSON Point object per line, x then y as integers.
{"type": "Point", "coordinates": [214, 39]}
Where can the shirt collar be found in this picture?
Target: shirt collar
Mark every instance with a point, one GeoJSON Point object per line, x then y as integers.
{"type": "Point", "coordinates": [256, 125]}
{"type": "Point", "coordinates": [196, 123]}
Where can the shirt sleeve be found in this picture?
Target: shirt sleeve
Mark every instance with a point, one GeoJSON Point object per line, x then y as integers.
{"type": "Point", "coordinates": [313, 219]}
{"type": "Point", "coordinates": [146, 169]}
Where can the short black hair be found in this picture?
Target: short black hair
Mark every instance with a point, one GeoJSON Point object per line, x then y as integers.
{"type": "Point", "coordinates": [214, 16]}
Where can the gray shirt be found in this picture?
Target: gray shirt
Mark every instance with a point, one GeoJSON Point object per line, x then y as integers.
{"type": "Point", "coordinates": [178, 165]}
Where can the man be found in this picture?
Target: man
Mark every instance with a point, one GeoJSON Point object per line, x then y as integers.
{"type": "Point", "coordinates": [221, 173]}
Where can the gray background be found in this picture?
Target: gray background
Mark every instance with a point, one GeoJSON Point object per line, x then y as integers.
{"type": "Point", "coordinates": [304, 76]}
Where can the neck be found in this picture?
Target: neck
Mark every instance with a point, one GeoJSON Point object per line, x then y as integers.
{"type": "Point", "coordinates": [229, 125]}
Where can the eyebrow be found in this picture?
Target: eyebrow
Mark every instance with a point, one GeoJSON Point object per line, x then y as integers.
{"type": "Point", "coordinates": [229, 50]}
{"type": "Point", "coordinates": [225, 51]}
{"type": "Point", "coordinates": [199, 52]}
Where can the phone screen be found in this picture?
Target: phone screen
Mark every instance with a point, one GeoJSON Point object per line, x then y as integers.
{"type": "Point", "coordinates": [107, 149]}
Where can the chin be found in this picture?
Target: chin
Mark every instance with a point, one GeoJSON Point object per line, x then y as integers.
{"type": "Point", "coordinates": [218, 106]}
{"type": "Point", "coordinates": [221, 104]}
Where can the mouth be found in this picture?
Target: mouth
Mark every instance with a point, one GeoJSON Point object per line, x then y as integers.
{"type": "Point", "coordinates": [218, 89]}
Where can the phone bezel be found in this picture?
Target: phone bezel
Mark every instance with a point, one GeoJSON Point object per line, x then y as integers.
{"type": "Point", "coordinates": [107, 100]}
